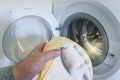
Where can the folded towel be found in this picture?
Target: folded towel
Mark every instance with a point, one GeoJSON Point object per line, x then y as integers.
{"type": "Point", "coordinates": [73, 64]}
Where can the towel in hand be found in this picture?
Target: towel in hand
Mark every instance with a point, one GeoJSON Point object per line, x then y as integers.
{"type": "Point", "coordinates": [73, 64]}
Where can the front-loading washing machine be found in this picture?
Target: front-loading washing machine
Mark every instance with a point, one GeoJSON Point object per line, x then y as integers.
{"type": "Point", "coordinates": [23, 25]}
{"type": "Point", "coordinates": [95, 25]}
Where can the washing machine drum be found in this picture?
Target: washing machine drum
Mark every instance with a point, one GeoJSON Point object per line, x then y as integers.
{"type": "Point", "coordinates": [97, 32]}
{"type": "Point", "coordinates": [90, 34]}
{"type": "Point", "coordinates": [22, 32]}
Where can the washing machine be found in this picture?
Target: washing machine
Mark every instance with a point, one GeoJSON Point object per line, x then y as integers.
{"type": "Point", "coordinates": [23, 25]}
{"type": "Point", "coordinates": [95, 25]}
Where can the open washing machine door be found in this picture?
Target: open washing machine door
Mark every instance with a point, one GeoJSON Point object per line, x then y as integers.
{"type": "Point", "coordinates": [96, 29]}
{"type": "Point", "coordinates": [23, 29]}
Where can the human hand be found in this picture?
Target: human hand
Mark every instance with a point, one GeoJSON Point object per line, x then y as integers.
{"type": "Point", "coordinates": [29, 67]}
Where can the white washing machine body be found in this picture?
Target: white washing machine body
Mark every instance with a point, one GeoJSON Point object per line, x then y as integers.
{"type": "Point", "coordinates": [24, 24]}
{"type": "Point", "coordinates": [103, 12]}
{"type": "Point", "coordinates": [114, 7]}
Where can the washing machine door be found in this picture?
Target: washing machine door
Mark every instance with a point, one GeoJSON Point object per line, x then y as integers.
{"type": "Point", "coordinates": [96, 29]}
{"type": "Point", "coordinates": [21, 30]}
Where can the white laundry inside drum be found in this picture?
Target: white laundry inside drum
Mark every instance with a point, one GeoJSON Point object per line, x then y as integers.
{"type": "Point", "coordinates": [23, 35]}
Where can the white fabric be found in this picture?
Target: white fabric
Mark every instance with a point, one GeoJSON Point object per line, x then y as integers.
{"type": "Point", "coordinates": [70, 66]}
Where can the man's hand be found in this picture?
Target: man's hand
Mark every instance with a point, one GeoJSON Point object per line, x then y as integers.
{"type": "Point", "coordinates": [29, 67]}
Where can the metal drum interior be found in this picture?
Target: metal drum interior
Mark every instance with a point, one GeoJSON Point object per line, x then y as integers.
{"type": "Point", "coordinates": [89, 33]}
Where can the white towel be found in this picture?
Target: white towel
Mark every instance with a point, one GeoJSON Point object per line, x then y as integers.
{"type": "Point", "coordinates": [73, 64]}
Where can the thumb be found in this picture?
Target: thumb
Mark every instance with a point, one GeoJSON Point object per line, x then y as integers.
{"type": "Point", "coordinates": [40, 47]}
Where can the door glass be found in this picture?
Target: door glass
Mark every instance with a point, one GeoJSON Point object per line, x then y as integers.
{"type": "Point", "coordinates": [23, 35]}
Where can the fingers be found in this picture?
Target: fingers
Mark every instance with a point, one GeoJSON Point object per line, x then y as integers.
{"type": "Point", "coordinates": [51, 54]}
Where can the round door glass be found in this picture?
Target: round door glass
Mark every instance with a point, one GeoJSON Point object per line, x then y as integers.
{"type": "Point", "coordinates": [90, 34]}
{"type": "Point", "coordinates": [23, 35]}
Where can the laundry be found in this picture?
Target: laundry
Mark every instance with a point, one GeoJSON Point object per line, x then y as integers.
{"type": "Point", "coordinates": [73, 64]}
